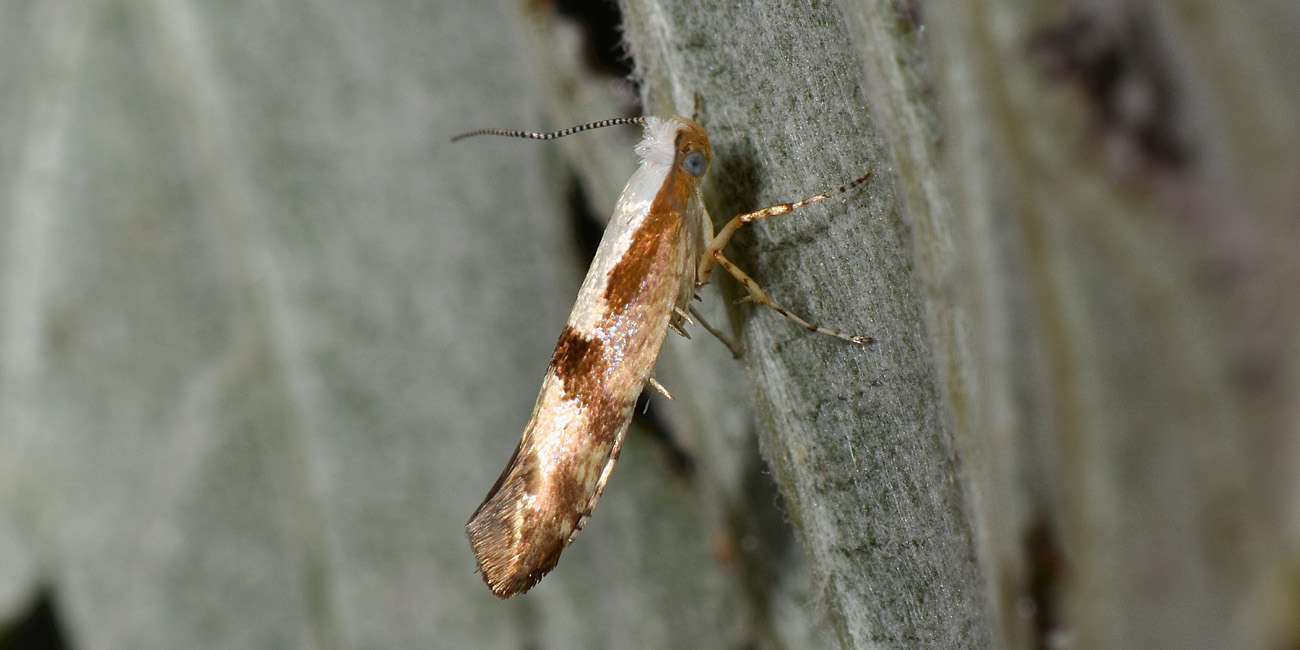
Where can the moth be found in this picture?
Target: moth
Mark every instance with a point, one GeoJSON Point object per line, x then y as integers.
{"type": "Point", "coordinates": [657, 251]}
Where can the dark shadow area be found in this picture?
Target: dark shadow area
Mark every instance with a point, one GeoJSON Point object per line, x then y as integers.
{"type": "Point", "coordinates": [647, 418]}
{"type": "Point", "coordinates": [761, 540]}
{"type": "Point", "coordinates": [601, 22]}
{"type": "Point", "coordinates": [38, 629]}
{"type": "Point", "coordinates": [1047, 573]}
{"type": "Point", "coordinates": [585, 226]}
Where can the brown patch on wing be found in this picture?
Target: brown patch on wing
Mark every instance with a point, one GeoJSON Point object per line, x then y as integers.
{"type": "Point", "coordinates": [661, 226]}
{"type": "Point", "coordinates": [544, 496]}
{"type": "Point", "coordinates": [578, 362]}
{"type": "Point", "coordinates": [627, 278]}
{"type": "Point", "coordinates": [542, 500]}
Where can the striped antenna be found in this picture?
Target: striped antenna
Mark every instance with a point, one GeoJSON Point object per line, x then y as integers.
{"type": "Point", "coordinates": [555, 134]}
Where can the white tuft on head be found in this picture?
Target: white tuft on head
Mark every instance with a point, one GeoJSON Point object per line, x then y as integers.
{"type": "Point", "coordinates": [658, 147]}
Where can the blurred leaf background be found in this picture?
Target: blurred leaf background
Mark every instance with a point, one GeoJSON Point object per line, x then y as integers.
{"type": "Point", "coordinates": [267, 336]}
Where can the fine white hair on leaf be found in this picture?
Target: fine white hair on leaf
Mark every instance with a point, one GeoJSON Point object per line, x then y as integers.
{"type": "Point", "coordinates": [658, 146]}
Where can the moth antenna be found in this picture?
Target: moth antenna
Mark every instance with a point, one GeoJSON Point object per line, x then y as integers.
{"type": "Point", "coordinates": [511, 133]}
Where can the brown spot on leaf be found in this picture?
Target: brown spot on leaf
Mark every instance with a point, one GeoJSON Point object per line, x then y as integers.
{"type": "Point", "coordinates": [1119, 61]}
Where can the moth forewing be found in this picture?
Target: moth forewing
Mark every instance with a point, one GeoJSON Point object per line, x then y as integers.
{"type": "Point", "coordinates": [644, 271]}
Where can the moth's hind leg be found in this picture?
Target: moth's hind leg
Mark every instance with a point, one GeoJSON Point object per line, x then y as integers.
{"type": "Point", "coordinates": [679, 319]}
{"type": "Point", "coordinates": [759, 297]}
{"type": "Point", "coordinates": [684, 316]}
{"type": "Point", "coordinates": [731, 343]}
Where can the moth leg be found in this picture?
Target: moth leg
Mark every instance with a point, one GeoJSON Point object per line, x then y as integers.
{"type": "Point", "coordinates": [654, 383]}
{"type": "Point", "coordinates": [759, 297]}
{"type": "Point", "coordinates": [683, 316]}
{"type": "Point", "coordinates": [731, 344]}
{"type": "Point", "coordinates": [679, 318]}
{"type": "Point", "coordinates": [720, 240]}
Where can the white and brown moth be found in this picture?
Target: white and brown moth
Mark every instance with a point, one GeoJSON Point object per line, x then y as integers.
{"type": "Point", "coordinates": [658, 249]}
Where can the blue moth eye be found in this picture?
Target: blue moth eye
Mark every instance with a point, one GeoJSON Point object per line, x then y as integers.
{"type": "Point", "coordinates": [694, 163]}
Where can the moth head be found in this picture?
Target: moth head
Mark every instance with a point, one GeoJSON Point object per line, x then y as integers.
{"type": "Point", "coordinates": [693, 150]}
